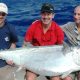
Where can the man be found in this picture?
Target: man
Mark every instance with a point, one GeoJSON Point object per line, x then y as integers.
{"type": "Point", "coordinates": [72, 30]}
{"type": "Point", "coordinates": [43, 32]}
{"type": "Point", "coordinates": [8, 40]}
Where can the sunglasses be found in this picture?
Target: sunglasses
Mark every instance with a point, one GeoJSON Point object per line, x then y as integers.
{"type": "Point", "coordinates": [2, 14]}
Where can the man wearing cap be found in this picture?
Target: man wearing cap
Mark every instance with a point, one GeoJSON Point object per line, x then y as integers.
{"type": "Point", "coordinates": [8, 40]}
{"type": "Point", "coordinates": [43, 32]}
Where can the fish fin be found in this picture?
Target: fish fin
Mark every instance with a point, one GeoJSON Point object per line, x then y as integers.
{"type": "Point", "coordinates": [65, 44]}
{"type": "Point", "coordinates": [66, 48]}
{"type": "Point", "coordinates": [29, 44]}
{"type": "Point", "coordinates": [65, 74]}
{"type": "Point", "coordinates": [19, 69]}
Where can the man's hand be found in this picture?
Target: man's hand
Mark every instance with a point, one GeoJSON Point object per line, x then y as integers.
{"type": "Point", "coordinates": [10, 62]}
{"type": "Point", "coordinates": [28, 44]}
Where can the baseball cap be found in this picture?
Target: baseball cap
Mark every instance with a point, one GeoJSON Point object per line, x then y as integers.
{"type": "Point", "coordinates": [3, 8]}
{"type": "Point", "coordinates": [47, 7]}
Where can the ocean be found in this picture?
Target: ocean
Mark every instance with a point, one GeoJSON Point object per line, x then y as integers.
{"type": "Point", "coordinates": [23, 12]}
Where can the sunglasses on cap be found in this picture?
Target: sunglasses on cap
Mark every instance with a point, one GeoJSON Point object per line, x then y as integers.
{"type": "Point", "coordinates": [2, 14]}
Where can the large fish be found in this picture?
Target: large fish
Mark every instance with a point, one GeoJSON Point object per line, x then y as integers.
{"type": "Point", "coordinates": [45, 60]}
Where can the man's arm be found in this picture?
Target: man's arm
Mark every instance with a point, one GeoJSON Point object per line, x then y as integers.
{"type": "Point", "coordinates": [28, 44]}
{"type": "Point", "coordinates": [10, 62]}
{"type": "Point", "coordinates": [13, 45]}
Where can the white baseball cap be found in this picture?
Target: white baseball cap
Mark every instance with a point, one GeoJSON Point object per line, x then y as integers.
{"type": "Point", "coordinates": [3, 8]}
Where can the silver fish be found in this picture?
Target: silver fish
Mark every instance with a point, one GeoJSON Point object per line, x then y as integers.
{"type": "Point", "coordinates": [45, 60]}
